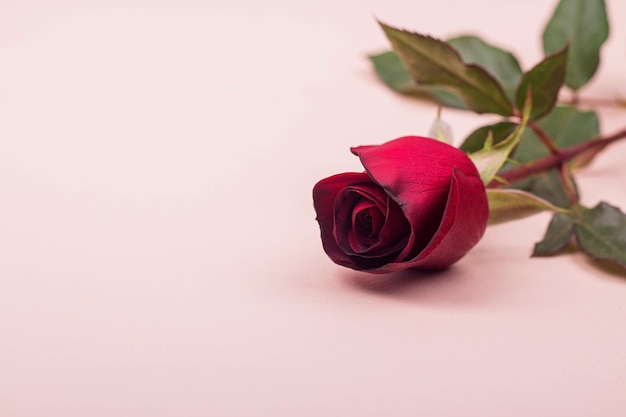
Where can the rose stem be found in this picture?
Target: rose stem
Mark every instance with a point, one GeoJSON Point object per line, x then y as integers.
{"type": "Point", "coordinates": [552, 161]}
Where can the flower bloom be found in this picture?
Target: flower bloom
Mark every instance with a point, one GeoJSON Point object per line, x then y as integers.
{"type": "Point", "coordinates": [420, 204]}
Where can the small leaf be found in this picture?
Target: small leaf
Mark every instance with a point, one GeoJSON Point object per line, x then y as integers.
{"type": "Point", "coordinates": [544, 81]}
{"type": "Point", "coordinates": [430, 61]}
{"type": "Point", "coordinates": [492, 157]}
{"type": "Point", "coordinates": [601, 233]}
{"type": "Point", "coordinates": [393, 73]}
{"type": "Point", "coordinates": [502, 65]}
{"type": "Point", "coordinates": [583, 25]}
{"type": "Point", "coordinates": [507, 205]}
{"type": "Point", "coordinates": [558, 235]}
{"type": "Point", "coordinates": [476, 140]}
{"type": "Point", "coordinates": [441, 130]}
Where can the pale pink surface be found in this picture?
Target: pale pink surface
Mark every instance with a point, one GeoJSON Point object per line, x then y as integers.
{"type": "Point", "coordinates": [158, 249]}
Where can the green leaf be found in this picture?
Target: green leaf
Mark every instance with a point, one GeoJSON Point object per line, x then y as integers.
{"type": "Point", "coordinates": [601, 233]}
{"type": "Point", "coordinates": [393, 73]}
{"type": "Point", "coordinates": [501, 64]}
{"type": "Point", "coordinates": [430, 61]}
{"type": "Point", "coordinates": [444, 97]}
{"type": "Point", "coordinates": [492, 157]}
{"type": "Point", "coordinates": [506, 205]}
{"type": "Point", "coordinates": [548, 186]}
{"type": "Point", "coordinates": [583, 25]}
{"type": "Point", "coordinates": [558, 235]}
{"type": "Point", "coordinates": [566, 126]}
{"type": "Point", "coordinates": [544, 81]}
{"type": "Point", "coordinates": [476, 140]}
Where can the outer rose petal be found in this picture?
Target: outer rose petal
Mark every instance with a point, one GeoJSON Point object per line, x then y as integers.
{"type": "Point", "coordinates": [416, 173]}
{"type": "Point", "coordinates": [324, 194]}
{"type": "Point", "coordinates": [463, 224]}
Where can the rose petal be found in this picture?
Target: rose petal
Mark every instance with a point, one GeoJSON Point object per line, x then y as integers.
{"type": "Point", "coordinates": [393, 235]}
{"type": "Point", "coordinates": [395, 232]}
{"type": "Point", "coordinates": [355, 197]}
{"type": "Point", "coordinates": [324, 194]}
{"type": "Point", "coordinates": [463, 224]}
{"type": "Point", "coordinates": [367, 219]}
{"type": "Point", "coordinates": [416, 173]}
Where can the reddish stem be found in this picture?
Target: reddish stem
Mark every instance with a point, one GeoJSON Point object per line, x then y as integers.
{"type": "Point", "coordinates": [553, 161]}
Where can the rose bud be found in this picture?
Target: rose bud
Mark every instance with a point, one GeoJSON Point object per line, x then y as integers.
{"type": "Point", "coordinates": [420, 204]}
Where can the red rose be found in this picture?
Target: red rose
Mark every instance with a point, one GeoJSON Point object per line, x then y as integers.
{"type": "Point", "coordinates": [420, 204]}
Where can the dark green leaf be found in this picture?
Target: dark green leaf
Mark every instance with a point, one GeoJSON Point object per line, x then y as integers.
{"type": "Point", "coordinates": [544, 80]}
{"type": "Point", "coordinates": [502, 65]}
{"type": "Point", "coordinates": [476, 140]}
{"type": "Point", "coordinates": [393, 73]}
{"type": "Point", "coordinates": [444, 97]}
{"type": "Point", "coordinates": [558, 235]}
{"type": "Point", "coordinates": [433, 62]}
{"type": "Point", "coordinates": [583, 25]}
{"type": "Point", "coordinates": [601, 233]}
{"type": "Point", "coordinates": [548, 186]}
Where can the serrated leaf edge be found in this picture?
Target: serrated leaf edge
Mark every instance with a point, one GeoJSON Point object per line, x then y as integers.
{"type": "Point", "coordinates": [483, 92]}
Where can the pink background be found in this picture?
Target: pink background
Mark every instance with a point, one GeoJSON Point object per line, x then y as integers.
{"type": "Point", "coordinates": [158, 249]}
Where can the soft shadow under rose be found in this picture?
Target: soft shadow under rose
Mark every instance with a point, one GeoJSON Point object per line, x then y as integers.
{"type": "Point", "coordinates": [420, 204]}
